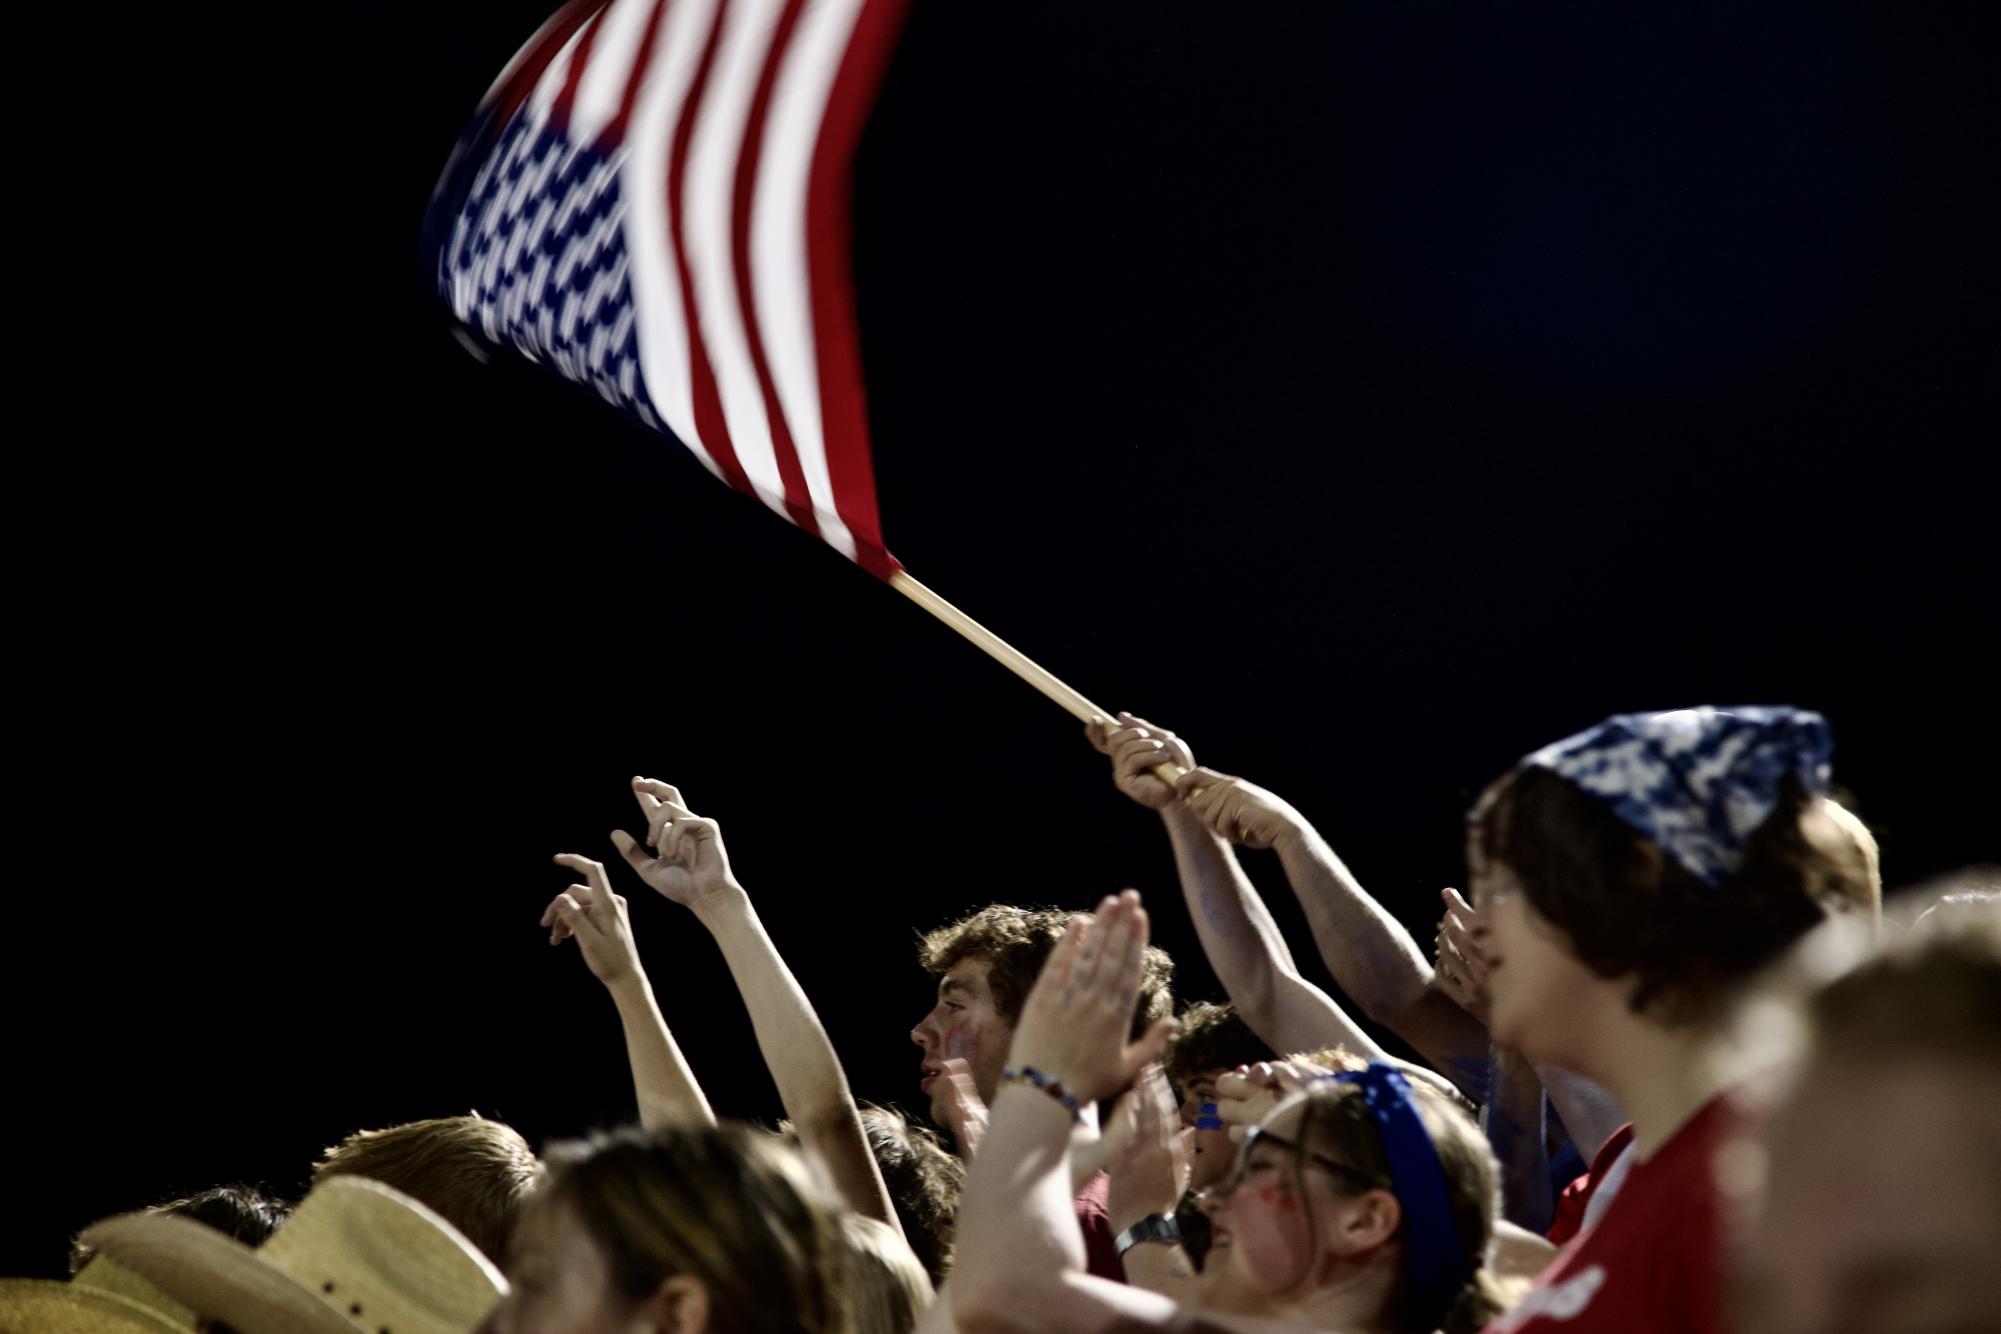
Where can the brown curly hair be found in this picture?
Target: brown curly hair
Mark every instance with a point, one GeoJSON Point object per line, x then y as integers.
{"type": "Point", "coordinates": [924, 1180]}
{"type": "Point", "coordinates": [923, 1177]}
{"type": "Point", "coordinates": [244, 1213]}
{"type": "Point", "coordinates": [1014, 943]}
{"type": "Point", "coordinates": [1211, 1037]}
{"type": "Point", "coordinates": [1629, 908]}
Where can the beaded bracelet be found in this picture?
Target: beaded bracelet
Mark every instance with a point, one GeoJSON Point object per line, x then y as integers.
{"type": "Point", "coordinates": [1049, 1084]}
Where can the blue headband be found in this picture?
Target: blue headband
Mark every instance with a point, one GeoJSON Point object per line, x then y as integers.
{"type": "Point", "coordinates": [1696, 782]}
{"type": "Point", "coordinates": [1434, 1258]}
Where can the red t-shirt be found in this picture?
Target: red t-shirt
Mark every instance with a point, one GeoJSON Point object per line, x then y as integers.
{"type": "Point", "coordinates": [1576, 1197]}
{"type": "Point", "coordinates": [1101, 1252]}
{"type": "Point", "coordinates": [1653, 1260]}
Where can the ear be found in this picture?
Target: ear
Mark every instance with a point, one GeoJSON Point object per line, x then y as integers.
{"type": "Point", "coordinates": [1366, 1222]}
{"type": "Point", "coordinates": [680, 1305]}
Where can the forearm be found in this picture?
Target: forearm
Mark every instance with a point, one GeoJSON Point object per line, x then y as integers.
{"type": "Point", "coordinates": [1161, 1268]}
{"type": "Point", "coordinates": [662, 1083]}
{"type": "Point", "coordinates": [1020, 1265]}
{"type": "Point", "coordinates": [938, 1315]}
{"type": "Point", "coordinates": [811, 1084]}
{"type": "Point", "coordinates": [1512, 1119]}
{"type": "Point", "coordinates": [1248, 952]}
{"type": "Point", "coordinates": [1017, 1222]}
{"type": "Point", "coordinates": [1087, 1150]}
{"type": "Point", "coordinates": [1369, 952]}
{"type": "Point", "coordinates": [1377, 963]}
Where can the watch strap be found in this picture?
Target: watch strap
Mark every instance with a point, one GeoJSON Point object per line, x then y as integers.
{"type": "Point", "coordinates": [1154, 1227]}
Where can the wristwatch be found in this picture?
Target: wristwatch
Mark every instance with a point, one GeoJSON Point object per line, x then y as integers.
{"type": "Point", "coordinates": [1155, 1227]}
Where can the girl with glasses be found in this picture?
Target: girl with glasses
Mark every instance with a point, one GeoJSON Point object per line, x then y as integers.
{"type": "Point", "coordinates": [1364, 1202]}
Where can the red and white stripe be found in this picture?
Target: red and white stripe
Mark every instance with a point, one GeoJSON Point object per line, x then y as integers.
{"type": "Point", "coordinates": [733, 125]}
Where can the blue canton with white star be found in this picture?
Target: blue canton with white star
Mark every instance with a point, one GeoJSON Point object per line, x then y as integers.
{"type": "Point", "coordinates": [537, 258]}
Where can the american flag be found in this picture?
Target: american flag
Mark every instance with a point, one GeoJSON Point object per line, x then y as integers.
{"type": "Point", "coordinates": [654, 200]}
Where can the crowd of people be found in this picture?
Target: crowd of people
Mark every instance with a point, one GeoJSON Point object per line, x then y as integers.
{"type": "Point", "coordinates": [1674, 1069]}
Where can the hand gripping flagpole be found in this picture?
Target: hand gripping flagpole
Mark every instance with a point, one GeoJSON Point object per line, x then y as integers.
{"type": "Point", "coordinates": [1007, 655]}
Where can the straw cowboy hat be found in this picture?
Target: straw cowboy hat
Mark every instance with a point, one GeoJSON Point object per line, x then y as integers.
{"type": "Point", "coordinates": [354, 1256]}
{"type": "Point", "coordinates": [103, 1275]}
{"type": "Point", "coordinates": [43, 1306]}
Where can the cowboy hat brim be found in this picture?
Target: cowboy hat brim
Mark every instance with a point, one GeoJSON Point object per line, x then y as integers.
{"type": "Point", "coordinates": [218, 1276]}
{"type": "Point", "coordinates": [43, 1306]}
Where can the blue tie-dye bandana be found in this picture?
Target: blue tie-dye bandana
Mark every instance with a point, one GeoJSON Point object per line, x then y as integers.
{"type": "Point", "coordinates": [1697, 782]}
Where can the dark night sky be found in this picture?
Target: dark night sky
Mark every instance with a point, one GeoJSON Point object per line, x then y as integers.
{"type": "Point", "coordinates": [1372, 392]}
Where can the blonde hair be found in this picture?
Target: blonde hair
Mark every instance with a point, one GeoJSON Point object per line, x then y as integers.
{"type": "Point", "coordinates": [1339, 1058]}
{"type": "Point", "coordinates": [1336, 1057]}
{"type": "Point", "coordinates": [474, 1173]}
{"type": "Point", "coordinates": [1849, 839]}
{"type": "Point", "coordinates": [884, 1290]}
{"type": "Point", "coordinates": [729, 1205]}
{"type": "Point", "coordinates": [1337, 1123]}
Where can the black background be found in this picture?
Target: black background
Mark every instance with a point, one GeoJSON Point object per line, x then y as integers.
{"type": "Point", "coordinates": [1371, 392]}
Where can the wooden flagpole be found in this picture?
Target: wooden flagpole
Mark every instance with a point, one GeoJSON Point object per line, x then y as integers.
{"type": "Point", "coordinates": [1012, 658]}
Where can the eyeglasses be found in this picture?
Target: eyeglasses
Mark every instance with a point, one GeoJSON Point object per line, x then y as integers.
{"type": "Point", "coordinates": [1241, 1169]}
{"type": "Point", "coordinates": [1492, 886]}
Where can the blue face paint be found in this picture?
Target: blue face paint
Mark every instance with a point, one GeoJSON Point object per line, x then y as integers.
{"type": "Point", "coordinates": [1207, 1118]}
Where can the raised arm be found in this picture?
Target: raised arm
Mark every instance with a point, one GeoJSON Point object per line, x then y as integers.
{"type": "Point", "coordinates": [1369, 952]}
{"type": "Point", "coordinates": [689, 865]}
{"type": "Point", "coordinates": [1242, 942]}
{"type": "Point", "coordinates": [661, 1080]}
{"type": "Point", "coordinates": [1149, 1174]}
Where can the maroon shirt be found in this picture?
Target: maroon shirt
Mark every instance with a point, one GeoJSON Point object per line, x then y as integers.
{"type": "Point", "coordinates": [1101, 1256]}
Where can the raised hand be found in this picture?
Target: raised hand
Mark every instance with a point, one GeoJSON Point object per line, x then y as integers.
{"type": "Point", "coordinates": [1237, 811]}
{"type": "Point", "coordinates": [1461, 969]}
{"type": "Point", "coordinates": [1246, 1095]}
{"type": "Point", "coordinates": [1074, 1024]}
{"type": "Point", "coordinates": [688, 863]}
{"type": "Point", "coordinates": [956, 1104]}
{"type": "Point", "coordinates": [1149, 1160]}
{"type": "Point", "coordinates": [1137, 748]}
{"type": "Point", "coordinates": [596, 916]}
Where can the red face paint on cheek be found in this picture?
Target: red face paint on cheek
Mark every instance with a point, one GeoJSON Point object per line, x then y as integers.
{"type": "Point", "coordinates": [1280, 1199]}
